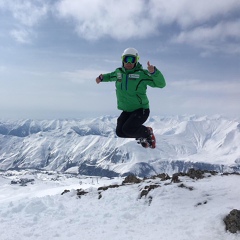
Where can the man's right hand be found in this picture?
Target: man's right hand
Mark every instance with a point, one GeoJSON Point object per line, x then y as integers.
{"type": "Point", "coordinates": [99, 78]}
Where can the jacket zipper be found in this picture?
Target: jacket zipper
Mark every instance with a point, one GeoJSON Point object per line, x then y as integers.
{"type": "Point", "coordinates": [126, 82]}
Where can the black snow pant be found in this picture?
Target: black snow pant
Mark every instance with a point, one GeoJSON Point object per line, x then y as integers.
{"type": "Point", "coordinates": [130, 124]}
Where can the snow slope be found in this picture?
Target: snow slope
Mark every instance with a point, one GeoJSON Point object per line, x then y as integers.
{"type": "Point", "coordinates": [91, 144]}
{"type": "Point", "coordinates": [39, 211]}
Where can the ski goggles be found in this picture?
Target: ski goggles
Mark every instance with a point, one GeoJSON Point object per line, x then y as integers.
{"type": "Point", "coordinates": [129, 59]}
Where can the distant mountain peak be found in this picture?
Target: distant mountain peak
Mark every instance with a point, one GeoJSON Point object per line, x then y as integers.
{"type": "Point", "coordinates": [92, 145]}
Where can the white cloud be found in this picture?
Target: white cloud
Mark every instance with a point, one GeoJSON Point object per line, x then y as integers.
{"type": "Point", "coordinates": [126, 19]}
{"type": "Point", "coordinates": [211, 26]}
{"type": "Point", "coordinates": [204, 24]}
{"type": "Point", "coordinates": [197, 86]}
{"type": "Point", "coordinates": [200, 96]}
{"type": "Point", "coordinates": [200, 23]}
{"type": "Point", "coordinates": [220, 31]}
{"type": "Point", "coordinates": [188, 13]}
{"type": "Point", "coordinates": [26, 12]}
{"type": "Point", "coordinates": [21, 35]}
{"type": "Point", "coordinates": [81, 76]}
{"type": "Point", "coordinates": [27, 15]}
{"type": "Point", "coordinates": [118, 19]}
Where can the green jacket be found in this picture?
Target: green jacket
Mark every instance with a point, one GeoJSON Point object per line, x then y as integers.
{"type": "Point", "coordinates": [131, 86]}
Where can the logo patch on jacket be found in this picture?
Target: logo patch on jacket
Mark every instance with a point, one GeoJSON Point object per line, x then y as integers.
{"type": "Point", "coordinates": [119, 76]}
{"type": "Point", "coordinates": [134, 75]}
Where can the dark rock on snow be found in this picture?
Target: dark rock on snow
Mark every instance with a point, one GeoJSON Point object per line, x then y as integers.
{"type": "Point", "coordinates": [232, 221]}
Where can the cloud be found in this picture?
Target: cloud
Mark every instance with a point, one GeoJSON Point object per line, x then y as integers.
{"type": "Point", "coordinates": [213, 36]}
{"type": "Point", "coordinates": [203, 24]}
{"type": "Point", "coordinates": [82, 76]}
{"type": "Point", "coordinates": [197, 86]}
{"type": "Point", "coordinates": [118, 19]}
{"type": "Point", "coordinates": [27, 15]}
{"type": "Point", "coordinates": [127, 19]}
{"type": "Point", "coordinates": [188, 13]}
{"type": "Point", "coordinates": [21, 35]}
{"type": "Point", "coordinates": [200, 96]}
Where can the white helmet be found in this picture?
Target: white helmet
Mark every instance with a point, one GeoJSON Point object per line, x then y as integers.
{"type": "Point", "coordinates": [131, 51]}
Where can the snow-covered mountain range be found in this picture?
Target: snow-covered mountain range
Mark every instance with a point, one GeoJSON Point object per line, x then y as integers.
{"type": "Point", "coordinates": [90, 146]}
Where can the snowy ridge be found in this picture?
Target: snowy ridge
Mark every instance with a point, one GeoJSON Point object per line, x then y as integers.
{"type": "Point", "coordinates": [91, 146]}
{"type": "Point", "coordinates": [186, 210]}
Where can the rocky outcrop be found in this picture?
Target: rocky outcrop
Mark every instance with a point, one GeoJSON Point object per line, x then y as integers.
{"type": "Point", "coordinates": [131, 179]}
{"type": "Point", "coordinates": [232, 221]}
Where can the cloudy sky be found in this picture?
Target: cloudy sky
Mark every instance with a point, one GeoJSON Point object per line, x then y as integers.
{"type": "Point", "coordinates": [51, 51]}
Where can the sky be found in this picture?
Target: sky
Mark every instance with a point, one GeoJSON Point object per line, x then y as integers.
{"type": "Point", "coordinates": [51, 52]}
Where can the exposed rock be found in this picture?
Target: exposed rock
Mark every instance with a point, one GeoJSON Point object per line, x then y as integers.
{"type": "Point", "coordinates": [198, 174]}
{"type": "Point", "coordinates": [232, 221]}
{"type": "Point", "coordinates": [147, 189]}
{"type": "Point", "coordinates": [195, 174]}
{"type": "Point", "coordinates": [65, 191]}
{"type": "Point", "coordinates": [151, 187]}
{"type": "Point", "coordinates": [150, 200]}
{"type": "Point", "coordinates": [201, 203]}
{"type": "Point", "coordinates": [131, 179]}
{"type": "Point", "coordinates": [144, 192]}
{"type": "Point", "coordinates": [175, 178]}
{"type": "Point", "coordinates": [23, 181]}
{"type": "Point", "coordinates": [184, 186]}
{"type": "Point", "coordinates": [81, 192]}
{"type": "Point", "coordinates": [162, 176]}
{"type": "Point", "coordinates": [104, 188]}
{"type": "Point", "coordinates": [233, 173]}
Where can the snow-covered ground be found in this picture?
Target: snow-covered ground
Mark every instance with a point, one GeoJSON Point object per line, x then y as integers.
{"type": "Point", "coordinates": [169, 212]}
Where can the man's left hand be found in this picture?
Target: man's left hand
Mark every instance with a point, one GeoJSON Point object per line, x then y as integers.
{"type": "Point", "coordinates": [150, 67]}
